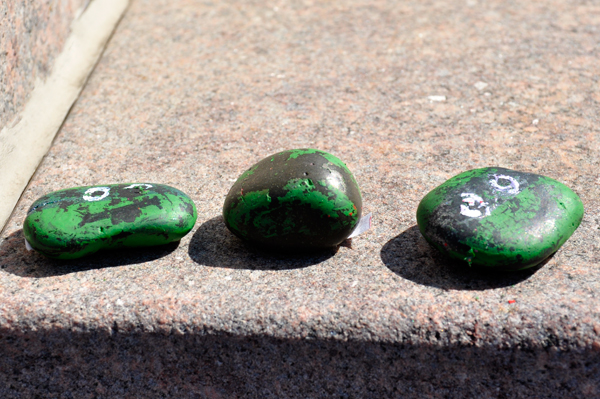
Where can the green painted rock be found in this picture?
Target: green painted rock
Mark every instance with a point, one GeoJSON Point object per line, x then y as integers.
{"type": "Point", "coordinates": [71, 223]}
{"type": "Point", "coordinates": [499, 218]}
{"type": "Point", "coordinates": [294, 200]}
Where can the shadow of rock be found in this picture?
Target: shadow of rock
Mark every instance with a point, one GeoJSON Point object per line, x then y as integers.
{"type": "Point", "coordinates": [16, 259]}
{"type": "Point", "coordinates": [411, 257]}
{"type": "Point", "coordinates": [214, 245]}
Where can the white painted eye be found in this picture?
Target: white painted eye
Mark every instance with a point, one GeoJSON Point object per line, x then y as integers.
{"type": "Point", "coordinates": [473, 202]}
{"type": "Point", "coordinates": [147, 186]}
{"type": "Point", "coordinates": [473, 213]}
{"type": "Point", "coordinates": [511, 188]}
{"type": "Point", "coordinates": [89, 197]}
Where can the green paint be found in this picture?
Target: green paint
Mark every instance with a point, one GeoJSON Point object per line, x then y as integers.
{"type": "Point", "coordinates": [247, 173]}
{"type": "Point", "coordinates": [522, 228]}
{"type": "Point", "coordinates": [299, 191]}
{"type": "Point", "coordinates": [297, 198]}
{"type": "Point", "coordinates": [333, 205]}
{"type": "Point", "coordinates": [239, 216]}
{"type": "Point", "coordinates": [293, 154]}
{"type": "Point", "coordinates": [75, 222]}
{"type": "Point", "coordinates": [331, 158]}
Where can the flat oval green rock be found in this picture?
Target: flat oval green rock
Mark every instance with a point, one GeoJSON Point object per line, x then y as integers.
{"type": "Point", "coordinates": [75, 222]}
{"type": "Point", "coordinates": [499, 218]}
{"type": "Point", "coordinates": [301, 199]}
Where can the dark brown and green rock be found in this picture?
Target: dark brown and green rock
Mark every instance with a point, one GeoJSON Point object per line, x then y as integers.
{"type": "Point", "coordinates": [499, 218]}
{"type": "Point", "coordinates": [294, 200]}
{"type": "Point", "coordinates": [79, 221]}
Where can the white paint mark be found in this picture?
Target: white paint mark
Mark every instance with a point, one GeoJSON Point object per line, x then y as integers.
{"type": "Point", "coordinates": [511, 188]}
{"type": "Point", "coordinates": [473, 213]}
{"type": "Point", "coordinates": [437, 98]}
{"type": "Point", "coordinates": [88, 193]}
{"type": "Point", "coordinates": [28, 245]}
{"type": "Point", "coordinates": [473, 204]}
{"type": "Point", "coordinates": [535, 122]}
{"type": "Point", "coordinates": [147, 186]}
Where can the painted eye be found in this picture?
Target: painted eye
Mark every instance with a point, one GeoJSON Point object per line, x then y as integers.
{"type": "Point", "coordinates": [96, 193]}
{"type": "Point", "coordinates": [472, 203]}
{"type": "Point", "coordinates": [505, 184]}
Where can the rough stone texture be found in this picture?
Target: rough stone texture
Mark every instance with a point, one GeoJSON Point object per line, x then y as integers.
{"type": "Point", "coordinates": [32, 34]}
{"type": "Point", "coordinates": [408, 94]}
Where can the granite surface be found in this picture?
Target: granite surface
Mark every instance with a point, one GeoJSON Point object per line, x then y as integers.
{"type": "Point", "coordinates": [32, 34]}
{"type": "Point", "coordinates": [408, 94]}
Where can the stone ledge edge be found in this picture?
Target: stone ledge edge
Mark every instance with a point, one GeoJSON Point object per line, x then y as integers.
{"type": "Point", "coordinates": [24, 145]}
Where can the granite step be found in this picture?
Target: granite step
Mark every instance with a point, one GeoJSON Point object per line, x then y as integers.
{"type": "Point", "coordinates": [191, 94]}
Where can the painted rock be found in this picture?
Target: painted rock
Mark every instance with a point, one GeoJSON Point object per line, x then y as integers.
{"type": "Point", "coordinates": [71, 223]}
{"type": "Point", "coordinates": [300, 199]}
{"type": "Point", "coordinates": [499, 218]}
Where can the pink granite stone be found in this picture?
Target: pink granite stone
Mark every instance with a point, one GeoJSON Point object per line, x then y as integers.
{"type": "Point", "coordinates": [32, 34]}
{"type": "Point", "coordinates": [408, 94]}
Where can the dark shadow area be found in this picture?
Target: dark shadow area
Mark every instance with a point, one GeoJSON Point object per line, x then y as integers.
{"type": "Point", "coordinates": [116, 363]}
{"type": "Point", "coordinates": [214, 245]}
{"type": "Point", "coordinates": [16, 259]}
{"type": "Point", "coordinates": [411, 257]}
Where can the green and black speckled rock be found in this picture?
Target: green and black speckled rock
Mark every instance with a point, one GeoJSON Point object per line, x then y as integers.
{"type": "Point", "coordinates": [79, 221]}
{"type": "Point", "coordinates": [294, 200]}
{"type": "Point", "coordinates": [499, 218]}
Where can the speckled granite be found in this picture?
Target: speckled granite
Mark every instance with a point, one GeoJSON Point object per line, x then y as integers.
{"type": "Point", "coordinates": [192, 93]}
{"type": "Point", "coordinates": [32, 34]}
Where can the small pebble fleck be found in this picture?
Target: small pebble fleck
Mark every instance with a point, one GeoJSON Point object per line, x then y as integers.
{"type": "Point", "coordinates": [437, 98]}
{"type": "Point", "coordinates": [480, 85]}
